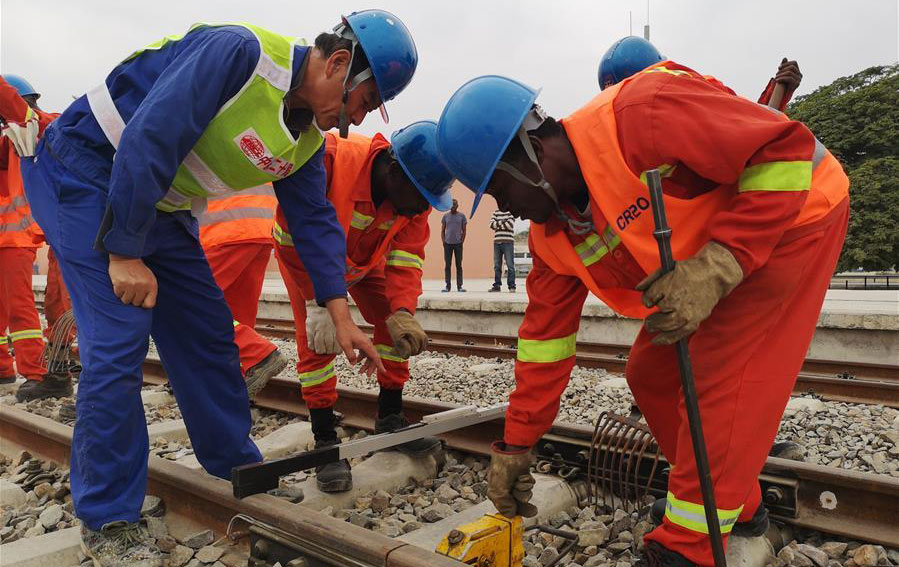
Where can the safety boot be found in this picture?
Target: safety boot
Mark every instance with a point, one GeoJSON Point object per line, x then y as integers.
{"type": "Point", "coordinates": [755, 526]}
{"type": "Point", "coordinates": [121, 544]}
{"type": "Point", "coordinates": [789, 450]}
{"type": "Point", "coordinates": [333, 477]}
{"type": "Point", "coordinates": [654, 554]}
{"type": "Point", "coordinates": [414, 448]}
{"type": "Point", "coordinates": [53, 385]}
{"type": "Point", "coordinates": [391, 418]}
{"type": "Point", "coordinates": [259, 375]}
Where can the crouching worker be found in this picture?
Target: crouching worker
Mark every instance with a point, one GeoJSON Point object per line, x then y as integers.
{"type": "Point", "coordinates": [383, 193]}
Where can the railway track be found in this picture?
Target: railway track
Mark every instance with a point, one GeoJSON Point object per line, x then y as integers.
{"type": "Point", "coordinates": [845, 503]}
{"type": "Point", "coordinates": [841, 502]}
{"type": "Point", "coordinates": [830, 379]}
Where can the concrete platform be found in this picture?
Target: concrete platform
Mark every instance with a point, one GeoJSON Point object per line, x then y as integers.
{"type": "Point", "coordinates": [855, 325]}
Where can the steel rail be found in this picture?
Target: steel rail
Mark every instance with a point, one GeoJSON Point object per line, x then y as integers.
{"type": "Point", "coordinates": [841, 502]}
{"type": "Point", "coordinates": [853, 382]}
{"type": "Point", "coordinates": [208, 500]}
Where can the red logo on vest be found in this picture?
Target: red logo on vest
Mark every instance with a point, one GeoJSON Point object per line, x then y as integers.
{"type": "Point", "coordinates": [254, 148]}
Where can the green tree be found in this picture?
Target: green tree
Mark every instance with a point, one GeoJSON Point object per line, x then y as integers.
{"type": "Point", "coordinates": [873, 239]}
{"type": "Point", "coordinates": [857, 118]}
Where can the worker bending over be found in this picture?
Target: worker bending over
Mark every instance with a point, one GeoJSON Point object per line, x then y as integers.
{"type": "Point", "coordinates": [20, 237]}
{"type": "Point", "coordinates": [222, 108]}
{"type": "Point", "coordinates": [758, 210]}
{"type": "Point", "coordinates": [382, 193]}
{"type": "Point", "coordinates": [236, 234]}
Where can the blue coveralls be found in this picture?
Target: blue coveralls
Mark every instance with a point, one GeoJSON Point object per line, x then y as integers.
{"type": "Point", "coordinates": [89, 205]}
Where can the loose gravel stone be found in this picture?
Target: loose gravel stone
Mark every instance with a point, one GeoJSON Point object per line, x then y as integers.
{"type": "Point", "coordinates": [209, 554]}
{"type": "Point", "coordinates": [152, 506]}
{"type": "Point", "coordinates": [180, 555]}
{"type": "Point", "coordinates": [199, 539]}
{"type": "Point", "coordinates": [51, 516]}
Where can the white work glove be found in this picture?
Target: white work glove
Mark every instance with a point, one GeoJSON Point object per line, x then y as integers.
{"type": "Point", "coordinates": [321, 334]}
{"type": "Point", "coordinates": [23, 136]}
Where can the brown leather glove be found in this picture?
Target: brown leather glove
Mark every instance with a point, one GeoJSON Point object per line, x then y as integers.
{"type": "Point", "coordinates": [510, 482]}
{"type": "Point", "coordinates": [408, 336]}
{"type": "Point", "coordinates": [686, 295]}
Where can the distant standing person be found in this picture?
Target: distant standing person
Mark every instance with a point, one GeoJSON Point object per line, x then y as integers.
{"type": "Point", "coordinates": [453, 234]}
{"type": "Point", "coordinates": [503, 224]}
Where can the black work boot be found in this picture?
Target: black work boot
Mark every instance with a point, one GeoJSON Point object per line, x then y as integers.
{"type": "Point", "coordinates": [391, 418]}
{"type": "Point", "coordinates": [756, 526]}
{"type": "Point", "coordinates": [259, 375]}
{"type": "Point", "coordinates": [788, 450]}
{"type": "Point", "coordinates": [333, 477]}
{"type": "Point", "coordinates": [654, 554]}
{"type": "Point", "coordinates": [53, 385]}
{"type": "Point", "coordinates": [414, 448]}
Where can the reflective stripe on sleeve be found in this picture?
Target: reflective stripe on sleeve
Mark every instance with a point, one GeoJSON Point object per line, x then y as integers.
{"type": "Point", "coordinates": [549, 350]}
{"type": "Point", "coordinates": [281, 237]}
{"type": "Point", "coordinates": [404, 259]}
{"type": "Point", "coordinates": [361, 221]}
{"type": "Point", "coordinates": [317, 376]}
{"type": "Point", "coordinates": [388, 353]}
{"type": "Point", "coordinates": [3, 339]}
{"type": "Point", "coordinates": [26, 334]}
{"type": "Point", "coordinates": [692, 516]}
{"type": "Point", "coordinates": [777, 176]}
{"type": "Point", "coordinates": [386, 224]}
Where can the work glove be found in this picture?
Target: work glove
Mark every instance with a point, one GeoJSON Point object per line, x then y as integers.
{"type": "Point", "coordinates": [321, 334]}
{"type": "Point", "coordinates": [510, 483]}
{"type": "Point", "coordinates": [22, 135]}
{"type": "Point", "coordinates": [687, 294]}
{"type": "Point", "coordinates": [408, 336]}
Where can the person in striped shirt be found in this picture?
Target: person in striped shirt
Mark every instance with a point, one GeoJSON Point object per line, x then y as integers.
{"type": "Point", "coordinates": [503, 224]}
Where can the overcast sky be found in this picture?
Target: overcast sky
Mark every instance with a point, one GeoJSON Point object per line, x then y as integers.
{"type": "Point", "coordinates": [64, 47]}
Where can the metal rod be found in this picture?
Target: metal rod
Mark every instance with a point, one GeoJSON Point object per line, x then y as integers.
{"type": "Point", "coordinates": [662, 234]}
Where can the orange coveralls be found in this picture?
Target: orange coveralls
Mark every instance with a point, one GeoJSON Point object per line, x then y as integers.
{"type": "Point", "coordinates": [764, 172]}
{"type": "Point", "coordinates": [385, 254]}
{"type": "Point", "coordinates": [236, 234]}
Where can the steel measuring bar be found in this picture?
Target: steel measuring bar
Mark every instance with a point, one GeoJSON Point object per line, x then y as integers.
{"type": "Point", "coordinates": [254, 478]}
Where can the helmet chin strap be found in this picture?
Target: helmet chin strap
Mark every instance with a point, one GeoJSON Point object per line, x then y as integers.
{"type": "Point", "coordinates": [349, 85]}
{"type": "Point", "coordinates": [532, 122]}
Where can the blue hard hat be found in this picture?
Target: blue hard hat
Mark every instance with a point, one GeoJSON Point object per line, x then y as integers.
{"type": "Point", "coordinates": [389, 48]}
{"type": "Point", "coordinates": [476, 126]}
{"type": "Point", "coordinates": [627, 56]}
{"type": "Point", "coordinates": [415, 147]}
{"type": "Point", "coordinates": [21, 85]}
